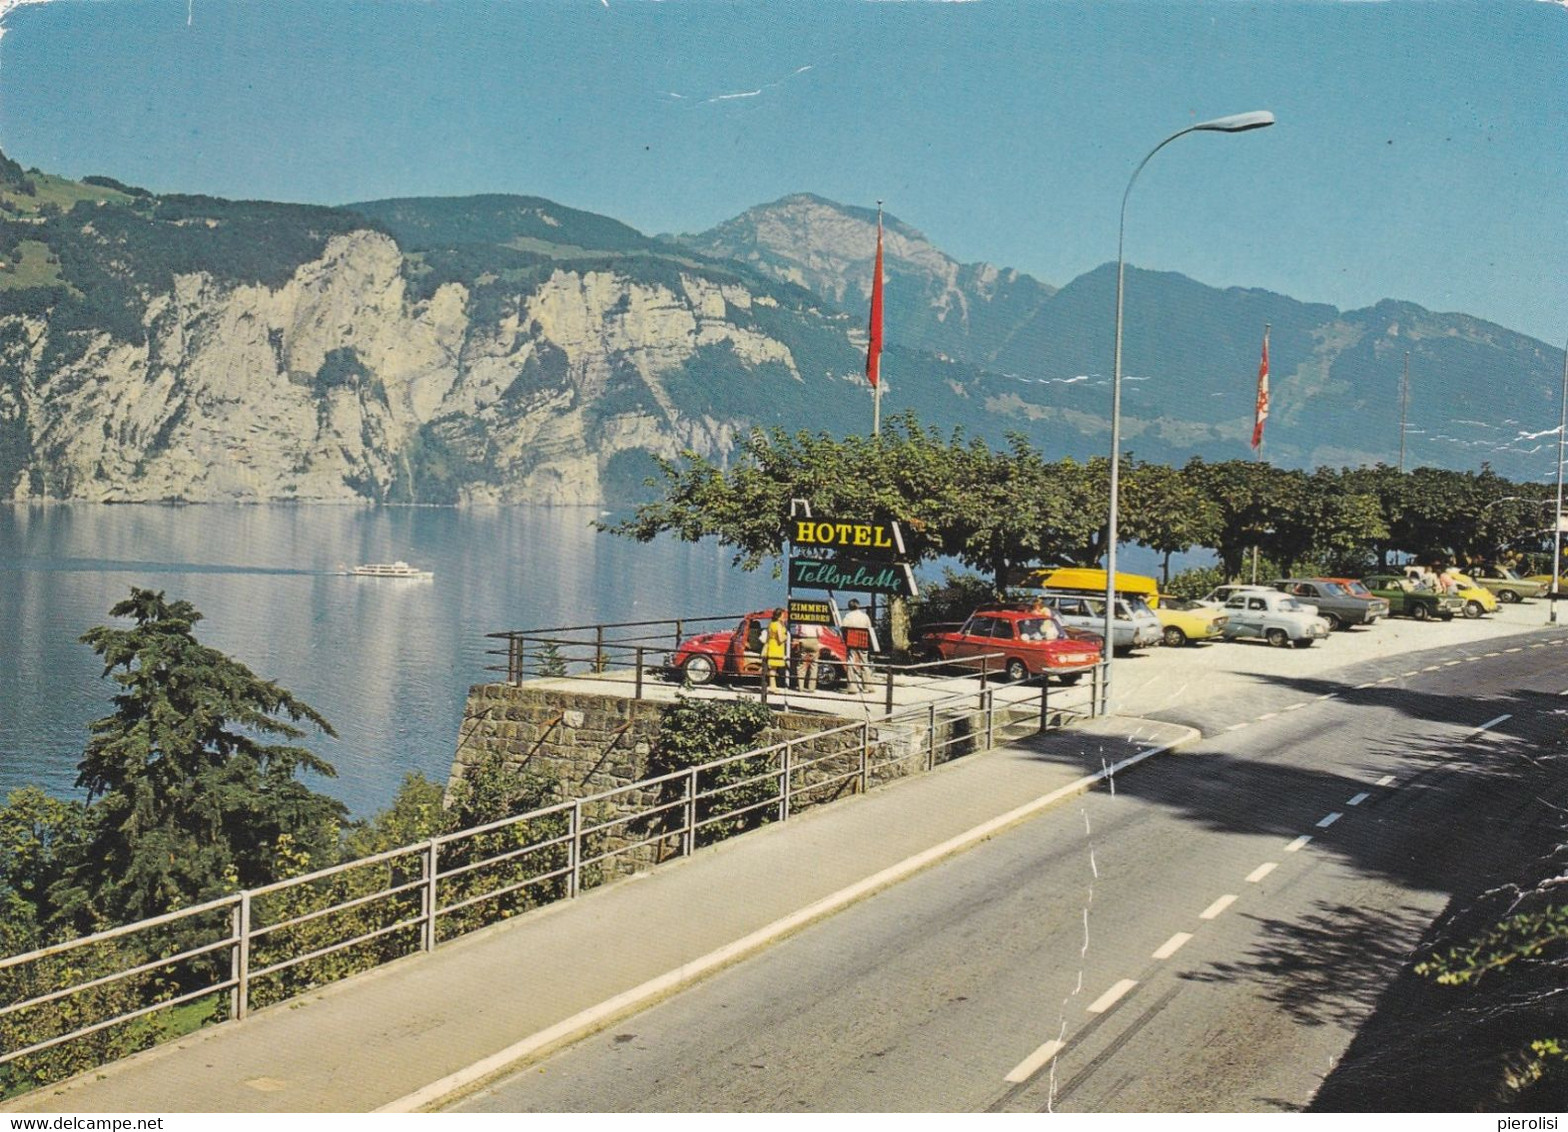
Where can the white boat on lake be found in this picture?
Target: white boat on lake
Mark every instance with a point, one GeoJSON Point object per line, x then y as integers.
{"type": "Point", "coordinates": [398, 569]}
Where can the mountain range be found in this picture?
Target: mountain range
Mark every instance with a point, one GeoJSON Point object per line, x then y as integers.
{"type": "Point", "coordinates": [504, 349]}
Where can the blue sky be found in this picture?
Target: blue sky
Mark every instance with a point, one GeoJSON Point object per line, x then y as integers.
{"type": "Point", "coordinates": [1421, 151]}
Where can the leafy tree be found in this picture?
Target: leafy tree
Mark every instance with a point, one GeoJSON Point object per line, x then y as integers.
{"type": "Point", "coordinates": [185, 796]}
{"type": "Point", "coordinates": [695, 731]}
{"type": "Point", "coordinates": [1167, 512]}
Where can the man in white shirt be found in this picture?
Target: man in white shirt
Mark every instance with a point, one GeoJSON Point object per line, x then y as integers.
{"type": "Point", "coordinates": [857, 631]}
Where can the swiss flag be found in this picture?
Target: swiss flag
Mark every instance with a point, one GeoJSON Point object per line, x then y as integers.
{"type": "Point", "coordinates": [874, 347]}
{"type": "Point", "coordinates": [1263, 394]}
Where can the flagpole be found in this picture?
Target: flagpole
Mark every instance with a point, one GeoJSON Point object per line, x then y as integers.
{"type": "Point", "coordinates": [876, 319]}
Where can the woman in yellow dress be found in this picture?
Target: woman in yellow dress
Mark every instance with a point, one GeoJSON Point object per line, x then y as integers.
{"type": "Point", "coordinates": [775, 650]}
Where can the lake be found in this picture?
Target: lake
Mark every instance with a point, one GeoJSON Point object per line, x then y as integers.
{"type": "Point", "coordinates": [388, 662]}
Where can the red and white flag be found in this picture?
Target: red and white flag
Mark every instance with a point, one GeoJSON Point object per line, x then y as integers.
{"type": "Point", "coordinates": [1263, 394]}
{"type": "Point", "coordinates": [874, 347]}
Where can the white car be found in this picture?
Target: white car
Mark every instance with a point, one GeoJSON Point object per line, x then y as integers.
{"type": "Point", "coordinates": [1135, 625]}
{"type": "Point", "coordinates": [1278, 618]}
{"type": "Point", "coordinates": [1219, 597]}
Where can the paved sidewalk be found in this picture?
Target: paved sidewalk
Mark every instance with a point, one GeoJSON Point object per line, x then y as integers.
{"type": "Point", "coordinates": [424, 1028]}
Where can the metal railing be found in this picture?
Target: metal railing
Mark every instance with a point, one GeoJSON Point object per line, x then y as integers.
{"type": "Point", "coordinates": [586, 650]}
{"type": "Point", "coordinates": [268, 944]}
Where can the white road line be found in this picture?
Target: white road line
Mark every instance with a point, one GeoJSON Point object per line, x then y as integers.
{"type": "Point", "coordinates": [1262, 871]}
{"type": "Point", "coordinates": [1431, 668]}
{"type": "Point", "coordinates": [1471, 659]}
{"type": "Point", "coordinates": [1384, 781]}
{"type": "Point", "coordinates": [1171, 946]}
{"type": "Point", "coordinates": [1330, 820]}
{"type": "Point", "coordinates": [1539, 645]}
{"type": "Point", "coordinates": [1239, 726]}
{"type": "Point", "coordinates": [1328, 695]}
{"type": "Point", "coordinates": [1267, 715]}
{"type": "Point", "coordinates": [1358, 799]}
{"type": "Point", "coordinates": [1108, 999]}
{"type": "Point", "coordinates": [1030, 1065]}
{"type": "Point", "coordinates": [1386, 679]}
{"type": "Point", "coordinates": [1368, 684]}
{"type": "Point", "coordinates": [1491, 654]}
{"type": "Point", "coordinates": [1451, 663]}
{"type": "Point", "coordinates": [1217, 907]}
{"type": "Point", "coordinates": [1519, 649]}
{"type": "Point", "coordinates": [1412, 672]}
{"type": "Point", "coordinates": [1488, 725]}
{"type": "Point", "coordinates": [1296, 707]}
{"type": "Point", "coordinates": [1300, 843]}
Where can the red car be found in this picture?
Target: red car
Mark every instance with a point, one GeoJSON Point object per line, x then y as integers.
{"type": "Point", "coordinates": [738, 652]}
{"type": "Point", "coordinates": [1032, 642]}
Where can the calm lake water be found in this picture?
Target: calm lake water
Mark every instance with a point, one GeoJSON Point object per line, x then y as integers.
{"type": "Point", "coordinates": [388, 662]}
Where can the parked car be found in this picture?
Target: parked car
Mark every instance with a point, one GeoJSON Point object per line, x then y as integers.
{"type": "Point", "coordinates": [1405, 600]}
{"type": "Point", "coordinates": [1135, 625]}
{"type": "Point", "coordinates": [1090, 580]}
{"type": "Point", "coordinates": [1220, 596]}
{"type": "Point", "coordinates": [1183, 620]}
{"type": "Point", "coordinates": [1477, 599]}
{"type": "Point", "coordinates": [1278, 618]}
{"type": "Point", "coordinates": [1032, 642]}
{"type": "Point", "coordinates": [1334, 603]}
{"type": "Point", "coordinates": [1507, 585]}
{"type": "Point", "coordinates": [737, 652]}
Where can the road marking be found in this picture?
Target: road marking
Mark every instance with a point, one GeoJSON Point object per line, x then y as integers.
{"type": "Point", "coordinates": [1538, 645]}
{"type": "Point", "coordinates": [1358, 799]}
{"type": "Point", "coordinates": [1487, 726]}
{"type": "Point", "coordinates": [1384, 781]}
{"type": "Point", "coordinates": [1300, 843]}
{"type": "Point", "coordinates": [1267, 715]}
{"type": "Point", "coordinates": [1262, 871]}
{"type": "Point", "coordinates": [1451, 663]}
{"type": "Point", "coordinates": [1330, 820]}
{"type": "Point", "coordinates": [1491, 654]}
{"type": "Point", "coordinates": [1469, 659]}
{"type": "Point", "coordinates": [1519, 649]}
{"type": "Point", "coordinates": [1108, 999]}
{"type": "Point", "coordinates": [1030, 1065]}
{"type": "Point", "coordinates": [1294, 707]}
{"type": "Point", "coordinates": [1171, 946]}
{"type": "Point", "coordinates": [1217, 907]}
{"type": "Point", "coordinates": [1239, 726]}
{"type": "Point", "coordinates": [1368, 684]}
{"type": "Point", "coordinates": [1431, 668]}
{"type": "Point", "coordinates": [1328, 695]}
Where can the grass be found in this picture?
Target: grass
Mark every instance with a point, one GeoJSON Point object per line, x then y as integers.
{"type": "Point", "coordinates": [31, 267]}
{"type": "Point", "coordinates": [57, 191]}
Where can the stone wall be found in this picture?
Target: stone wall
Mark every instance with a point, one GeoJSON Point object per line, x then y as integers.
{"type": "Point", "coordinates": [593, 744]}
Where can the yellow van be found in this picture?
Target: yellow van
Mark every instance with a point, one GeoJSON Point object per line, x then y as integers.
{"type": "Point", "coordinates": [1091, 579]}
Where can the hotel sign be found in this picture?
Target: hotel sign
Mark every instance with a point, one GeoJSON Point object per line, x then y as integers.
{"type": "Point", "coordinates": [811, 611]}
{"type": "Point", "coordinates": [852, 574]}
{"type": "Point", "coordinates": [877, 541]}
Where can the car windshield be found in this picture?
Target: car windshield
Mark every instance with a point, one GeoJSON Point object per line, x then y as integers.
{"type": "Point", "coordinates": [1138, 605]}
{"type": "Point", "coordinates": [1329, 589]}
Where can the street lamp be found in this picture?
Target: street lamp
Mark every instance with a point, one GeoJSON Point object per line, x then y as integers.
{"type": "Point", "coordinates": [1557, 538]}
{"type": "Point", "coordinates": [1232, 124]}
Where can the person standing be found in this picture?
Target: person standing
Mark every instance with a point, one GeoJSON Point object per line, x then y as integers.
{"type": "Point", "coordinates": [808, 649]}
{"type": "Point", "coordinates": [775, 649]}
{"type": "Point", "coordinates": [857, 639]}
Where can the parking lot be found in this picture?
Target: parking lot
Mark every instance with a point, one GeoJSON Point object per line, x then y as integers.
{"type": "Point", "coordinates": [1158, 679]}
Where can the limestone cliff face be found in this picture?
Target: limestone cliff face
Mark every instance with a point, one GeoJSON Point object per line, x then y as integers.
{"type": "Point", "coordinates": [342, 386]}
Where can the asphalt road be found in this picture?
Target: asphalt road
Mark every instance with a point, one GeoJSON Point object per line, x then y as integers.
{"type": "Point", "coordinates": [1206, 937]}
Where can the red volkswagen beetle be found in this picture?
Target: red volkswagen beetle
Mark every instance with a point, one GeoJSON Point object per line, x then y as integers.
{"type": "Point", "coordinates": [738, 652]}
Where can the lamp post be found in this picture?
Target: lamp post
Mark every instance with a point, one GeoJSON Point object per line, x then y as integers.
{"type": "Point", "coordinates": [1557, 534]}
{"type": "Point", "coordinates": [1232, 124]}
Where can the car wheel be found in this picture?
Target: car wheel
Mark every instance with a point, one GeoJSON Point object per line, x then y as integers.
{"type": "Point", "coordinates": [1278, 638]}
{"type": "Point", "coordinates": [699, 669]}
{"type": "Point", "coordinates": [1507, 595]}
{"type": "Point", "coordinates": [1017, 670]}
{"type": "Point", "coordinates": [1422, 613]}
{"type": "Point", "coordinates": [829, 674]}
{"type": "Point", "coordinates": [1304, 642]}
{"type": "Point", "coordinates": [1473, 609]}
{"type": "Point", "coordinates": [1333, 622]}
{"type": "Point", "coordinates": [1174, 637]}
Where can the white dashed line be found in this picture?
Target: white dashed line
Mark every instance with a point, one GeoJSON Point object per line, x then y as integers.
{"type": "Point", "coordinates": [1386, 679]}
{"type": "Point", "coordinates": [1108, 999]}
{"type": "Point", "coordinates": [1239, 726]}
{"type": "Point", "coordinates": [1368, 684]}
{"type": "Point", "coordinates": [1300, 843]}
{"type": "Point", "coordinates": [1491, 654]}
{"type": "Point", "coordinates": [1328, 695]}
{"type": "Point", "coordinates": [1519, 649]}
{"type": "Point", "coordinates": [1217, 907]}
{"type": "Point", "coordinates": [1412, 672]}
{"type": "Point", "coordinates": [1030, 1065]}
{"type": "Point", "coordinates": [1330, 820]}
{"type": "Point", "coordinates": [1487, 726]}
{"type": "Point", "coordinates": [1171, 946]}
{"type": "Point", "coordinates": [1296, 707]}
{"type": "Point", "coordinates": [1451, 663]}
{"type": "Point", "coordinates": [1384, 781]}
{"type": "Point", "coordinates": [1431, 668]}
{"type": "Point", "coordinates": [1262, 871]}
{"type": "Point", "coordinates": [1267, 715]}
{"type": "Point", "coordinates": [1358, 799]}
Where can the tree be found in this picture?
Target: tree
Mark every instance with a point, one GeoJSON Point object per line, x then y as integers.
{"type": "Point", "coordinates": [186, 799]}
{"type": "Point", "coordinates": [1166, 512]}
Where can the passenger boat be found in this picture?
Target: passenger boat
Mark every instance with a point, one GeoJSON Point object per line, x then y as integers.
{"type": "Point", "coordinates": [398, 569]}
